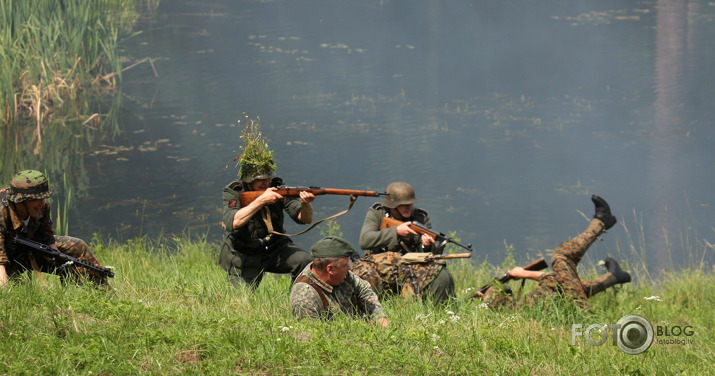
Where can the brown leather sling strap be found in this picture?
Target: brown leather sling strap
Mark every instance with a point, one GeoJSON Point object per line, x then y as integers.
{"type": "Point", "coordinates": [311, 282]}
{"type": "Point", "coordinates": [266, 214]}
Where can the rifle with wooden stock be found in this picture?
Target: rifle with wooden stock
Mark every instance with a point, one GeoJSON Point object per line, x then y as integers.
{"type": "Point", "coordinates": [59, 259]}
{"type": "Point", "coordinates": [539, 264]}
{"type": "Point", "coordinates": [421, 229]}
{"type": "Point", "coordinates": [421, 257]}
{"type": "Point", "coordinates": [249, 196]}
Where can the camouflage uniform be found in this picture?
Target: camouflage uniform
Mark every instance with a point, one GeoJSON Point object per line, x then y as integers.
{"type": "Point", "coordinates": [382, 267]}
{"type": "Point", "coordinates": [353, 297]}
{"type": "Point", "coordinates": [564, 281]}
{"type": "Point", "coordinates": [250, 250]}
{"type": "Point", "coordinates": [17, 261]}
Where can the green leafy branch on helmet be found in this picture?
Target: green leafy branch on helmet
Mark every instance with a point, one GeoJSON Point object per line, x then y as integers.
{"type": "Point", "coordinates": [257, 158]}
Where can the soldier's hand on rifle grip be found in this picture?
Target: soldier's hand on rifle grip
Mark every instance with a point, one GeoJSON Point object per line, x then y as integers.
{"type": "Point", "coordinates": [269, 196]}
{"type": "Point", "coordinates": [404, 230]}
{"type": "Point", "coordinates": [427, 240]}
{"type": "Point", "coordinates": [306, 197]}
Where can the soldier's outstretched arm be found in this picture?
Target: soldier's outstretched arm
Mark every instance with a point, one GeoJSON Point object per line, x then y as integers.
{"type": "Point", "coordinates": [521, 273]}
{"type": "Point", "coordinates": [243, 215]}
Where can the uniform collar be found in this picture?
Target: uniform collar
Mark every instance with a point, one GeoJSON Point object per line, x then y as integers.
{"type": "Point", "coordinates": [14, 218]}
{"type": "Point", "coordinates": [320, 283]}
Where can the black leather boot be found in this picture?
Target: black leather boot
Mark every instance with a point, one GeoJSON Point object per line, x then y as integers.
{"type": "Point", "coordinates": [603, 212]}
{"type": "Point", "coordinates": [615, 269]}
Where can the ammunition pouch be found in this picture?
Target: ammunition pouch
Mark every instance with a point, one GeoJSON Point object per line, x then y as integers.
{"type": "Point", "coordinates": [269, 244]}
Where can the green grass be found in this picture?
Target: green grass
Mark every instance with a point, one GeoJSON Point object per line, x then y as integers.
{"type": "Point", "coordinates": [173, 312]}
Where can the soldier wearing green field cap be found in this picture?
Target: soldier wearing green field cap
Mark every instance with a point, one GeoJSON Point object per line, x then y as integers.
{"type": "Point", "coordinates": [327, 287]}
{"type": "Point", "coordinates": [252, 246]}
{"type": "Point", "coordinates": [25, 213]}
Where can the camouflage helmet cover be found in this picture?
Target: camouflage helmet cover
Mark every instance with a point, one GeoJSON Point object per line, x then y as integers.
{"type": "Point", "coordinates": [399, 193]}
{"type": "Point", "coordinates": [256, 162]}
{"type": "Point", "coordinates": [28, 185]}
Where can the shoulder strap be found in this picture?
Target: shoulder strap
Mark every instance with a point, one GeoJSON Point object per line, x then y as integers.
{"type": "Point", "coordinates": [311, 282]}
{"type": "Point", "coordinates": [266, 215]}
{"type": "Point", "coordinates": [3, 196]}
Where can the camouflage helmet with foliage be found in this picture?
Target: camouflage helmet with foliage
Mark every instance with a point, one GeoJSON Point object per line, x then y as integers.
{"type": "Point", "coordinates": [256, 161]}
{"type": "Point", "coordinates": [28, 185]}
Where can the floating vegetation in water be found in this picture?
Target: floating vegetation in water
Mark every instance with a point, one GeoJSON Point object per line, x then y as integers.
{"type": "Point", "coordinates": [604, 17]}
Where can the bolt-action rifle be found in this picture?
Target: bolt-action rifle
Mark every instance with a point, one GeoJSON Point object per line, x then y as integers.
{"type": "Point", "coordinates": [59, 259]}
{"type": "Point", "coordinates": [421, 257]}
{"type": "Point", "coordinates": [539, 264]}
{"type": "Point", "coordinates": [440, 239]}
{"type": "Point", "coordinates": [249, 196]}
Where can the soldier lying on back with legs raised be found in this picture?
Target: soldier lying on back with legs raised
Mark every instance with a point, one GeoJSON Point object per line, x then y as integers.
{"type": "Point", "coordinates": [564, 282]}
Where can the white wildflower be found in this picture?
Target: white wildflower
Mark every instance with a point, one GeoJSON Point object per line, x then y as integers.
{"type": "Point", "coordinates": [483, 306]}
{"type": "Point", "coordinates": [422, 316]}
{"type": "Point", "coordinates": [435, 337]}
{"type": "Point", "coordinates": [441, 322]}
{"type": "Point", "coordinates": [454, 318]}
{"type": "Point", "coordinates": [448, 312]}
{"type": "Point", "coordinates": [285, 328]}
{"type": "Point", "coordinates": [656, 298]}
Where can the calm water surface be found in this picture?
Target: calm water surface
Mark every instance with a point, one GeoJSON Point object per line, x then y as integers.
{"type": "Point", "coordinates": [505, 116]}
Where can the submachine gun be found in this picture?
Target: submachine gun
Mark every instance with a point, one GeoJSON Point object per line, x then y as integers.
{"type": "Point", "coordinates": [59, 259]}
{"type": "Point", "coordinates": [440, 239]}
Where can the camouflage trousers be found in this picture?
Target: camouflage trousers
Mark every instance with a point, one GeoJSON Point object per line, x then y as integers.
{"type": "Point", "coordinates": [387, 274]}
{"type": "Point", "coordinates": [74, 247]}
{"type": "Point", "coordinates": [564, 281]}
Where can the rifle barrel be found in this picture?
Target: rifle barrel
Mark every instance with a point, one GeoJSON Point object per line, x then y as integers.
{"type": "Point", "coordinates": [249, 196]}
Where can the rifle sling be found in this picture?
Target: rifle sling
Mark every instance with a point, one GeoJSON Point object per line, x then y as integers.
{"type": "Point", "coordinates": [311, 282]}
{"type": "Point", "coordinates": [266, 214]}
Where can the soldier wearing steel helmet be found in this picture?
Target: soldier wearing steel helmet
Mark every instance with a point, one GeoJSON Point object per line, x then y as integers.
{"type": "Point", "coordinates": [250, 247]}
{"type": "Point", "coordinates": [381, 265]}
{"type": "Point", "coordinates": [25, 213]}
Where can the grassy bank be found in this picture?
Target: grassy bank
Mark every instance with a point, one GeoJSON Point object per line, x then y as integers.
{"type": "Point", "coordinates": [174, 313]}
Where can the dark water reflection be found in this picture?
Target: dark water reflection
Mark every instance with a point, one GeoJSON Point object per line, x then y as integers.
{"type": "Point", "coordinates": [505, 116]}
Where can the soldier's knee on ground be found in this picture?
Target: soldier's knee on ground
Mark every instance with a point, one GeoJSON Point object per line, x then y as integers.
{"type": "Point", "coordinates": [441, 288]}
{"type": "Point", "coordinates": [300, 260]}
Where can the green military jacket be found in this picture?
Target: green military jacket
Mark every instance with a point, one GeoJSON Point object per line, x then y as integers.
{"type": "Point", "coordinates": [374, 240]}
{"type": "Point", "coordinates": [11, 226]}
{"type": "Point", "coordinates": [253, 236]}
{"type": "Point", "coordinates": [353, 297]}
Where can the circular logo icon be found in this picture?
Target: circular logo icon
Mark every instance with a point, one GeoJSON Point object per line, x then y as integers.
{"type": "Point", "coordinates": [635, 334]}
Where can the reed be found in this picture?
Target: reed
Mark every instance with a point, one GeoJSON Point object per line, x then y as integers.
{"type": "Point", "coordinates": [55, 54]}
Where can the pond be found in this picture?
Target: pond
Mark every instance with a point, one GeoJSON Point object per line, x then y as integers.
{"type": "Point", "coordinates": [505, 117]}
